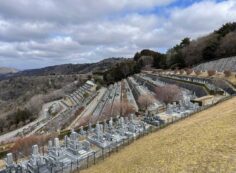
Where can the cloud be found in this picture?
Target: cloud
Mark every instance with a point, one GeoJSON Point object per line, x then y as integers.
{"type": "Point", "coordinates": [72, 10]}
{"type": "Point", "coordinates": [39, 33]}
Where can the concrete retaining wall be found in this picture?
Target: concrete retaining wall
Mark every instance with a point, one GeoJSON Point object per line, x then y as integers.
{"type": "Point", "coordinates": [218, 65]}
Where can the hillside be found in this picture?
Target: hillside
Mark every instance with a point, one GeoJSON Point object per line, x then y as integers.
{"type": "Point", "coordinates": [218, 65]}
{"type": "Point", "coordinates": [205, 142]}
{"type": "Point", "coordinates": [31, 92]}
{"type": "Point", "coordinates": [190, 52]}
{"type": "Point", "coordinates": [66, 69]}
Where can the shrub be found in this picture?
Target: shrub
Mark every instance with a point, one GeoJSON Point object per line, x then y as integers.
{"type": "Point", "coordinates": [176, 71]}
{"type": "Point", "coordinates": [188, 71]}
{"type": "Point", "coordinates": [24, 145]}
{"type": "Point", "coordinates": [227, 73]}
{"type": "Point", "coordinates": [98, 87]}
{"type": "Point", "coordinates": [168, 94]}
{"type": "Point", "coordinates": [211, 72]}
{"type": "Point", "coordinates": [197, 72]}
{"type": "Point", "coordinates": [145, 101]}
{"type": "Point", "coordinates": [181, 71]}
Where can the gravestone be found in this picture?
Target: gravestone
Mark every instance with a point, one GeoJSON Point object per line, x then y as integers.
{"type": "Point", "coordinates": [90, 127]}
{"type": "Point", "coordinates": [36, 161]}
{"type": "Point", "coordinates": [82, 132]}
{"type": "Point", "coordinates": [50, 145]}
{"type": "Point", "coordinates": [11, 167]}
{"type": "Point", "coordinates": [111, 123]}
{"type": "Point", "coordinates": [132, 117]}
{"type": "Point", "coordinates": [9, 160]}
{"type": "Point", "coordinates": [169, 109]}
{"type": "Point", "coordinates": [126, 120]}
{"type": "Point", "coordinates": [122, 122]}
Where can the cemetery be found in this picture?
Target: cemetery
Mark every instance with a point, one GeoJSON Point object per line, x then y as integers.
{"type": "Point", "coordinates": [106, 133]}
{"type": "Point", "coordinates": [75, 150]}
{"type": "Point", "coordinates": [79, 95]}
{"type": "Point", "coordinates": [107, 99]}
{"type": "Point", "coordinates": [199, 89]}
{"type": "Point", "coordinates": [130, 96]}
{"type": "Point", "coordinates": [62, 118]}
{"type": "Point", "coordinates": [173, 112]}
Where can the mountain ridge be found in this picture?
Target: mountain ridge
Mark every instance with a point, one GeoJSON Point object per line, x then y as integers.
{"type": "Point", "coordinates": [66, 69]}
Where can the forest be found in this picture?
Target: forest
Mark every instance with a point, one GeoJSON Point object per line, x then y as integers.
{"type": "Point", "coordinates": [219, 44]}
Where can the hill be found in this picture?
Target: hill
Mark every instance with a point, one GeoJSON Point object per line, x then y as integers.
{"type": "Point", "coordinates": [188, 53]}
{"type": "Point", "coordinates": [6, 70]}
{"type": "Point", "coordinates": [30, 93]}
{"type": "Point", "coordinates": [205, 142]}
{"type": "Point", "coordinates": [67, 69]}
{"type": "Point", "coordinates": [35, 87]}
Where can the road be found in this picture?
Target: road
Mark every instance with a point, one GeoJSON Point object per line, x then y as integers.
{"type": "Point", "coordinates": [44, 111]}
{"type": "Point", "coordinates": [43, 115]}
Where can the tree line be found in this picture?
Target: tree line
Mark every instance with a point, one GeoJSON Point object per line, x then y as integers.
{"type": "Point", "coordinates": [121, 70]}
{"type": "Point", "coordinates": [219, 44]}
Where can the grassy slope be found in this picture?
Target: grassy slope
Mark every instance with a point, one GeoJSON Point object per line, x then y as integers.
{"type": "Point", "coordinates": [205, 142]}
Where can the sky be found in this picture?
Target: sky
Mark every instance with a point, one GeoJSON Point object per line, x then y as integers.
{"type": "Point", "coordinates": [41, 33]}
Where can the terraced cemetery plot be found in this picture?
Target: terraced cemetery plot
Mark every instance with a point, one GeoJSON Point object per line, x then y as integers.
{"type": "Point", "coordinates": [205, 142]}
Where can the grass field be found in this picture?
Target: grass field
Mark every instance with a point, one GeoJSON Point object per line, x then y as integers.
{"type": "Point", "coordinates": [205, 142]}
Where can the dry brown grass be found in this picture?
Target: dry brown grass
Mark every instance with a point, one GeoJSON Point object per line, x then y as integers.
{"type": "Point", "coordinates": [205, 142]}
{"type": "Point", "coordinates": [232, 79]}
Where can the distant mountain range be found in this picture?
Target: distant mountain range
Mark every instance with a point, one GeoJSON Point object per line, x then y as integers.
{"type": "Point", "coordinates": [64, 69]}
{"type": "Point", "coordinates": [6, 70]}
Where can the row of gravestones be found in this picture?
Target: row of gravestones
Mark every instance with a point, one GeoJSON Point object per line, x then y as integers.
{"type": "Point", "coordinates": [108, 135]}
{"type": "Point", "coordinates": [212, 84]}
{"type": "Point", "coordinates": [78, 95]}
{"type": "Point", "coordinates": [196, 80]}
{"type": "Point", "coordinates": [184, 108]}
{"type": "Point", "coordinates": [73, 150]}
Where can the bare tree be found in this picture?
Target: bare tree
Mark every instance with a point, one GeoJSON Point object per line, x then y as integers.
{"type": "Point", "coordinates": [193, 52]}
{"type": "Point", "coordinates": [145, 100]}
{"type": "Point", "coordinates": [127, 108]}
{"type": "Point", "coordinates": [123, 108]}
{"type": "Point", "coordinates": [55, 95]}
{"type": "Point", "coordinates": [24, 145]}
{"type": "Point", "coordinates": [211, 72]}
{"type": "Point", "coordinates": [227, 47]}
{"type": "Point", "coordinates": [168, 93]}
{"type": "Point", "coordinates": [35, 104]}
{"type": "Point", "coordinates": [125, 70]}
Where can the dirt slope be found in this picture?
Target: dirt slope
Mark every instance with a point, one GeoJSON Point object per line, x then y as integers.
{"type": "Point", "coordinates": [205, 142]}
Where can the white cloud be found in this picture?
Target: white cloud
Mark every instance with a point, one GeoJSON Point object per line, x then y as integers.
{"type": "Point", "coordinates": [54, 32]}
{"type": "Point", "coordinates": [72, 10]}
